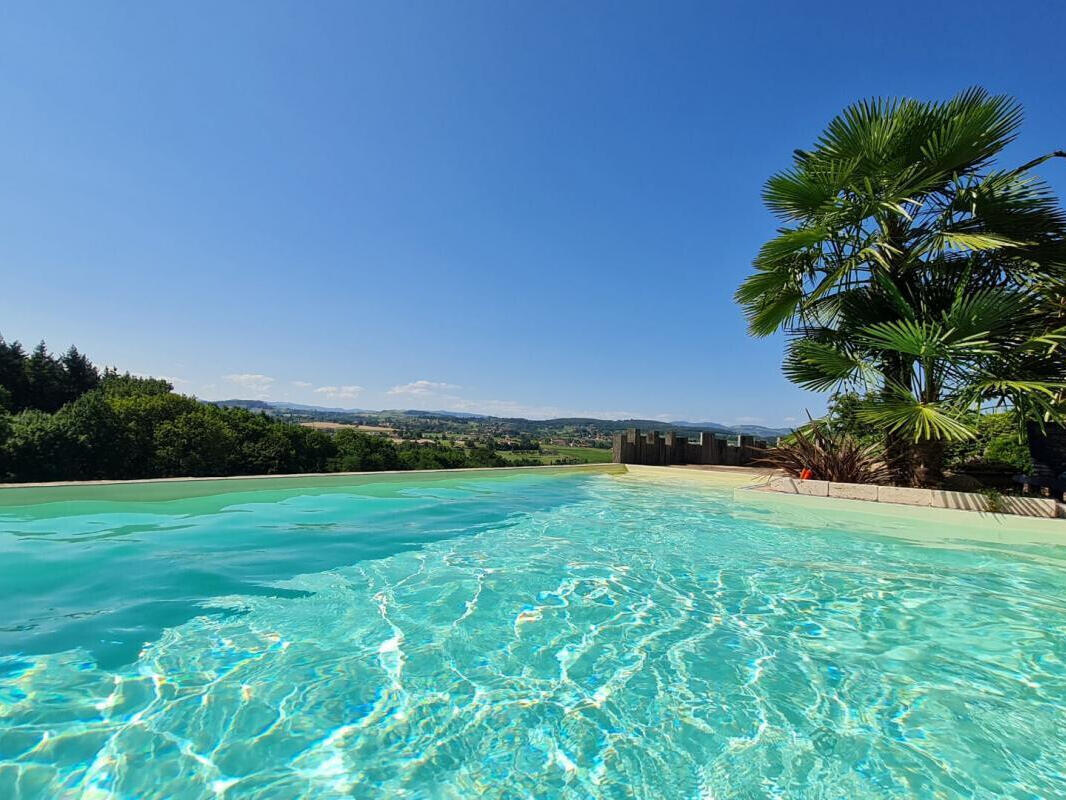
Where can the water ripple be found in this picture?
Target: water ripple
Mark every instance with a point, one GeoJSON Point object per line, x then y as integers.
{"type": "Point", "coordinates": [629, 642]}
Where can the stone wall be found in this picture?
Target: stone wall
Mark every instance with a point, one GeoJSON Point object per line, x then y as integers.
{"type": "Point", "coordinates": [662, 450]}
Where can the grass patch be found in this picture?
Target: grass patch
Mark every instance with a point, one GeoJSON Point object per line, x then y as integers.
{"type": "Point", "coordinates": [549, 454]}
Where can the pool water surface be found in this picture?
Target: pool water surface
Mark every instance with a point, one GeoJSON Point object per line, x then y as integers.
{"type": "Point", "coordinates": [568, 634]}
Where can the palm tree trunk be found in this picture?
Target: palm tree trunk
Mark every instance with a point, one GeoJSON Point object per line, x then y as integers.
{"type": "Point", "coordinates": [929, 453]}
{"type": "Point", "coordinates": [929, 466]}
{"type": "Point", "coordinates": [899, 445]}
{"type": "Point", "coordinates": [899, 457]}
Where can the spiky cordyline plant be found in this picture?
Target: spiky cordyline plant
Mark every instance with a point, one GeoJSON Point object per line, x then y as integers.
{"type": "Point", "coordinates": [910, 268]}
{"type": "Point", "coordinates": [829, 455]}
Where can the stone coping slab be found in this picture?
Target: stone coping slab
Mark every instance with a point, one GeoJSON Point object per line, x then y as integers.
{"type": "Point", "coordinates": [753, 485]}
{"type": "Point", "coordinates": [927, 498]}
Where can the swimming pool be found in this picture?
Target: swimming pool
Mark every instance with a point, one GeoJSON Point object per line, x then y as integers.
{"type": "Point", "coordinates": [526, 633]}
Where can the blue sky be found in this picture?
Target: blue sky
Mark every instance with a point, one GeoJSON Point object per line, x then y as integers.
{"type": "Point", "coordinates": [515, 208]}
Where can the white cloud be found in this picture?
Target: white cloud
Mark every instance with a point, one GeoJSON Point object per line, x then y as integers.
{"type": "Point", "coordinates": [749, 420]}
{"type": "Point", "coordinates": [790, 419]}
{"type": "Point", "coordinates": [349, 392]}
{"type": "Point", "coordinates": [258, 384]}
{"type": "Point", "coordinates": [303, 384]}
{"type": "Point", "coordinates": [422, 387]}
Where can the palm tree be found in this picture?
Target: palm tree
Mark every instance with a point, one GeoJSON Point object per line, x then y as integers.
{"type": "Point", "coordinates": [911, 269]}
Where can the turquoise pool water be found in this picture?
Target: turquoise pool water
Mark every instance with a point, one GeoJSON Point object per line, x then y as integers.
{"type": "Point", "coordinates": [518, 635]}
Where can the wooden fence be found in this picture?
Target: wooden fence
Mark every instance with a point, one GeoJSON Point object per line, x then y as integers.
{"type": "Point", "coordinates": [659, 450]}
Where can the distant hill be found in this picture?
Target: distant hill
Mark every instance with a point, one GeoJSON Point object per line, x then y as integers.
{"type": "Point", "coordinates": [760, 431]}
{"type": "Point", "coordinates": [531, 425]}
{"type": "Point", "coordinates": [254, 405]}
{"type": "Point", "coordinates": [301, 407]}
{"type": "Point", "coordinates": [456, 414]}
{"type": "Point", "coordinates": [643, 424]}
{"type": "Point", "coordinates": [747, 430]}
{"type": "Point", "coordinates": [679, 425]}
{"type": "Point", "coordinates": [265, 405]}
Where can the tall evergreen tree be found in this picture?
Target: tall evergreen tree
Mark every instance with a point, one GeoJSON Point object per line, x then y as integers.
{"type": "Point", "coordinates": [46, 380]}
{"type": "Point", "coordinates": [81, 375]}
{"type": "Point", "coordinates": [13, 375]}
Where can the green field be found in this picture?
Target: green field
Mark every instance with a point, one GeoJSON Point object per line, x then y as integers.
{"type": "Point", "coordinates": [551, 453]}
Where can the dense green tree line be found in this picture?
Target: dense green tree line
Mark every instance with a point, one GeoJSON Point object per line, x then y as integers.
{"type": "Point", "coordinates": [61, 418]}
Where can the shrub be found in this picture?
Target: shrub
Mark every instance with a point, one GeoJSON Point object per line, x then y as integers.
{"type": "Point", "coordinates": [999, 440]}
{"type": "Point", "coordinates": [829, 455]}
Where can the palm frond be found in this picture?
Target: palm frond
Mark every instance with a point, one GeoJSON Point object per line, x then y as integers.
{"type": "Point", "coordinates": [821, 366]}
{"type": "Point", "coordinates": [969, 129]}
{"type": "Point", "coordinates": [924, 339]}
{"type": "Point", "coordinates": [784, 247]}
{"type": "Point", "coordinates": [794, 194]}
{"type": "Point", "coordinates": [902, 412]}
{"type": "Point", "coordinates": [987, 311]}
{"type": "Point", "coordinates": [961, 240]}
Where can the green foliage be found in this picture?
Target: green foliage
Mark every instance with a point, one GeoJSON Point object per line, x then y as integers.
{"type": "Point", "coordinates": [80, 375]}
{"type": "Point", "coordinates": [844, 416]}
{"type": "Point", "coordinates": [312, 450]}
{"type": "Point", "coordinates": [189, 438]}
{"type": "Point", "coordinates": [830, 455]}
{"type": "Point", "coordinates": [557, 454]}
{"type": "Point", "coordinates": [911, 272]}
{"type": "Point", "coordinates": [84, 440]}
{"type": "Point", "coordinates": [901, 412]}
{"type": "Point", "coordinates": [357, 452]}
{"type": "Point", "coordinates": [127, 385]}
{"type": "Point", "coordinates": [197, 444]}
{"type": "Point", "coordinates": [432, 456]}
{"type": "Point", "coordinates": [93, 437]}
{"type": "Point", "coordinates": [998, 440]}
{"type": "Point", "coordinates": [46, 381]}
{"type": "Point", "coordinates": [34, 448]}
{"type": "Point", "coordinates": [1008, 450]}
{"type": "Point", "coordinates": [5, 452]}
{"type": "Point", "coordinates": [13, 375]}
{"type": "Point", "coordinates": [141, 416]}
{"type": "Point", "coordinates": [994, 500]}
